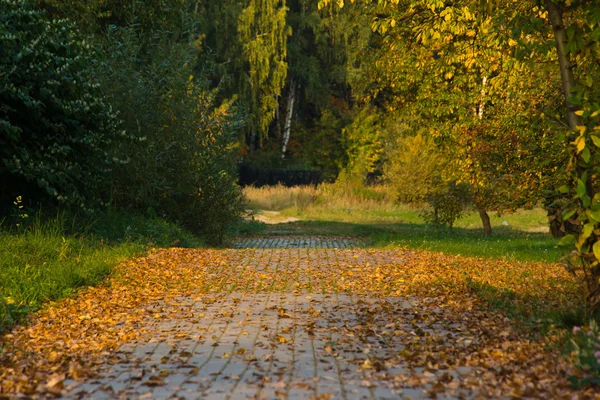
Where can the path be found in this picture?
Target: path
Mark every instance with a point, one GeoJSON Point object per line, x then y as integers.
{"type": "Point", "coordinates": [295, 318]}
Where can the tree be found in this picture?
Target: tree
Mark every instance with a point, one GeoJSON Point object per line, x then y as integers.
{"type": "Point", "coordinates": [576, 28]}
{"type": "Point", "coordinates": [56, 128]}
{"type": "Point", "coordinates": [263, 31]}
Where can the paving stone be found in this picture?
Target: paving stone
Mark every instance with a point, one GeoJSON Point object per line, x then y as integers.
{"type": "Point", "coordinates": [254, 345]}
{"type": "Point", "coordinates": [296, 242]}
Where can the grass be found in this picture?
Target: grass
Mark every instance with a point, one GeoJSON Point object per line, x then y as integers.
{"type": "Point", "coordinates": [51, 258]}
{"type": "Point", "coordinates": [372, 214]}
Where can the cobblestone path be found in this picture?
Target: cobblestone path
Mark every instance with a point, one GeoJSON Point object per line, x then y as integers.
{"type": "Point", "coordinates": [266, 346]}
{"type": "Point", "coordinates": [293, 242]}
{"type": "Point", "coordinates": [280, 328]}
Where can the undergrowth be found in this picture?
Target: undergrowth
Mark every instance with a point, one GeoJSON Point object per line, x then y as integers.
{"type": "Point", "coordinates": [45, 259]}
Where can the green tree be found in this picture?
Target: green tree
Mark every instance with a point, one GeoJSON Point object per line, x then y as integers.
{"type": "Point", "coordinates": [263, 31]}
{"type": "Point", "coordinates": [56, 129]}
{"type": "Point", "coordinates": [186, 167]}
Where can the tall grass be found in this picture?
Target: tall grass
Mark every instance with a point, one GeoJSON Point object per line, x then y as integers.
{"type": "Point", "coordinates": [51, 258]}
{"type": "Point", "coordinates": [326, 195]}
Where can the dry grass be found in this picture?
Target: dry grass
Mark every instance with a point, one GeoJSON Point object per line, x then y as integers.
{"type": "Point", "coordinates": [326, 195]}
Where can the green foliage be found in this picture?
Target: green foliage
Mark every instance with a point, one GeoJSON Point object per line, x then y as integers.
{"type": "Point", "coordinates": [582, 47]}
{"type": "Point", "coordinates": [586, 348]}
{"type": "Point", "coordinates": [322, 145]}
{"type": "Point", "coordinates": [55, 126]}
{"type": "Point", "coordinates": [447, 206]}
{"type": "Point", "coordinates": [263, 31]}
{"type": "Point", "coordinates": [95, 15]}
{"type": "Point", "coordinates": [185, 169]}
{"type": "Point", "coordinates": [363, 146]}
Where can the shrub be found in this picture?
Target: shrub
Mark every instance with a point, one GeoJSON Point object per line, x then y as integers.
{"type": "Point", "coordinates": [447, 206]}
{"type": "Point", "coordinates": [585, 345]}
{"type": "Point", "coordinates": [186, 169]}
{"type": "Point", "coordinates": [363, 147]}
{"type": "Point", "coordinates": [55, 127]}
{"type": "Point", "coordinates": [415, 168]}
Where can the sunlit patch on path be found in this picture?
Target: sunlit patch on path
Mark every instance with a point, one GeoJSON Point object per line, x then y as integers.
{"type": "Point", "coordinates": [307, 321]}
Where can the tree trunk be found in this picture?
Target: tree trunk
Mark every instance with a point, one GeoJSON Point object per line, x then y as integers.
{"type": "Point", "coordinates": [556, 223]}
{"type": "Point", "coordinates": [568, 80]}
{"type": "Point", "coordinates": [566, 68]}
{"type": "Point", "coordinates": [288, 118]}
{"type": "Point", "coordinates": [482, 102]}
{"type": "Point", "coordinates": [485, 220]}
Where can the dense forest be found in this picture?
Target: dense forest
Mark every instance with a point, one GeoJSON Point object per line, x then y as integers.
{"type": "Point", "coordinates": [152, 106]}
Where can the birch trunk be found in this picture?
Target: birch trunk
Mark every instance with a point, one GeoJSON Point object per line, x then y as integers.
{"type": "Point", "coordinates": [482, 103]}
{"type": "Point", "coordinates": [288, 118]}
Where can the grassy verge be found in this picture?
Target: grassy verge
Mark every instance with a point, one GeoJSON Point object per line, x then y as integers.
{"type": "Point", "coordinates": [51, 258]}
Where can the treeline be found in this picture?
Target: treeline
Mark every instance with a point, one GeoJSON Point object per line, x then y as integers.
{"type": "Point", "coordinates": [111, 106]}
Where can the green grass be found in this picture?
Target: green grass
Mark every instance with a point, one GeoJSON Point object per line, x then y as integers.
{"type": "Point", "coordinates": [369, 213]}
{"type": "Point", "coordinates": [51, 258]}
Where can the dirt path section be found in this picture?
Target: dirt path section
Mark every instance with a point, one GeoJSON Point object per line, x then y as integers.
{"type": "Point", "coordinates": [269, 217]}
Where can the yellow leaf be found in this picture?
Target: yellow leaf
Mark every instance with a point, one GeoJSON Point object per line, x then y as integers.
{"type": "Point", "coordinates": [580, 144]}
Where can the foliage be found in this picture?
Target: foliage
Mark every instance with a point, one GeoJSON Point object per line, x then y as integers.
{"type": "Point", "coordinates": [94, 16]}
{"type": "Point", "coordinates": [263, 32]}
{"type": "Point", "coordinates": [415, 169]}
{"type": "Point", "coordinates": [583, 112]}
{"type": "Point", "coordinates": [362, 146]}
{"type": "Point", "coordinates": [186, 168]}
{"type": "Point", "coordinates": [586, 350]}
{"type": "Point", "coordinates": [55, 127]}
{"type": "Point", "coordinates": [447, 206]}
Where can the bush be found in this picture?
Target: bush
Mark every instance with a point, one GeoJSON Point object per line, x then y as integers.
{"type": "Point", "coordinates": [363, 146]}
{"type": "Point", "coordinates": [585, 345]}
{"type": "Point", "coordinates": [186, 169]}
{"type": "Point", "coordinates": [55, 127]}
{"type": "Point", "coordinates": [447, 206]}
{"type": "Point", "coordinates": [415, 168]}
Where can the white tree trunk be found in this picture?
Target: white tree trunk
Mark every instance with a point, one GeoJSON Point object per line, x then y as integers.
{"type": "Point", "coordinates": [288, 118]}
{"type": "Point", "coordinates": [482, 104]}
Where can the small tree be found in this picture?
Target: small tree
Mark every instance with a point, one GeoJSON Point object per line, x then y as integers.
{"type": "Point", "coordinates": [415, 169]}
{"type": "Point", "coordinates": [447, 206]}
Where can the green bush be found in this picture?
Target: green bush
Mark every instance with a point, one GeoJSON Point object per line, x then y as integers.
{"type": "Point", "coordinates": [55, 127]}
{"type": "Point", "coordinates": [447, 206]}
{"type": "Point", "coordinates": [186, 169]}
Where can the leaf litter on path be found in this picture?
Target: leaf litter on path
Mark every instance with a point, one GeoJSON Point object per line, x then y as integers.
{"type": "Point", "coordinates": [446, 342]}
